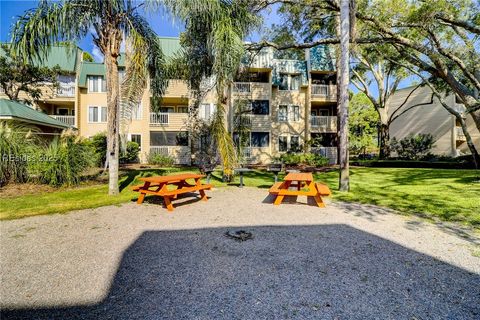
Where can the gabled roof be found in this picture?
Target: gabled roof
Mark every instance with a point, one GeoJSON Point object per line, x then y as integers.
{"type": "Point", "coordinates": [170, 46]}
{"type": "Point", "coordinates": [18, 111]}
{"type": "Point", "coordinates": [65, 56]}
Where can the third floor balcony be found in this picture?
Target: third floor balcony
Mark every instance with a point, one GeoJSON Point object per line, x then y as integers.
{"type": "Point", "coordinates": [323, 123]}
{"type": "Point", "coordinates": [324, 93]}
{"type": "Point", "coordinates": [253, 90]}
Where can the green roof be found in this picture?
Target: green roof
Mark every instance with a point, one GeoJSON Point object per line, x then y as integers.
{"type": "Point", "coordinates": [18, 111]}
{"type": "Point", "coordinates": [64, 56]}
{"type": "Point", "coordinates": [170, 46]}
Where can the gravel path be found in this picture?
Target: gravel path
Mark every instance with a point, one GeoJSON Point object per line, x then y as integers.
{"type": "Point", "coordinates": [347, 261]}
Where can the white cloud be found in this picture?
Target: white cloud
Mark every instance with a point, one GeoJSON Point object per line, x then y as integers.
{"type": "Point", "coordinates": [97, 54]}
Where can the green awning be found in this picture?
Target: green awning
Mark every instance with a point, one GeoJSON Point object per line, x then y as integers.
{"type": "Point", "coordinates": [13, 110]}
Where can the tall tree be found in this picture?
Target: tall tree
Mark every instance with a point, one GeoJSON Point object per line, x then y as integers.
{"type": "Point", "coordinates": [109, 23]}
{"type": "Point", "coordinates": [17, 77]}
{"type": "Point", "coordinates": [213, 41]}
{"type": "Point", "coordinates": [363, 121]}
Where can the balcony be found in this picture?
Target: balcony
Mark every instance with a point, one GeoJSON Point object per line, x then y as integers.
{"type": "Point", "coordinates": [244, 120]}
{"type": "Point", "coordinates": [70, 120]}
{"type": "Point", "coordinates": [159, 119]}
{"type": "Point", "coordinates": [253, 90]}
{"type": "Point", "coordinates": [66, 90]}
{"type": "Point", "coordinates": [329, 152]}
{"type": "Point", "coordinates": [460, 134]}
{"type": "Point", "coordinates": [323, 123]}
{"type": "Point", "coordinates": [324, 93]}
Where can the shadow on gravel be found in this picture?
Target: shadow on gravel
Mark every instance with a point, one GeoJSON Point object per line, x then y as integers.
{"type": "Point", "coordinates": [302, 272]}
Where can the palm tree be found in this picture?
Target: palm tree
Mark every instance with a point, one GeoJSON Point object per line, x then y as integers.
{"type": "Point", "coordinates": [214, 46]}
{"type": "Point", "coordinates": [110, 23]}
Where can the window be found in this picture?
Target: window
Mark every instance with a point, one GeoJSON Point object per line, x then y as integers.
{"type": "Point", "coordinates": [137, 112]}
{"type": "Point", "coordinates": [260, 139]}
{"type": "Point", "coordinates": [283, 113]}
{"type": "Point", "coordinates": [97, 114]}
{"type": "Point", "coordinates": [282, 144]}
{"type": "Point", "coordinates": [167, 109]}
{"type": "Point", "coordinates": [260, 107]}
{"type": "Point", "coordinates": [136, 138]}
{"type": "Point", "coordinates": [294, 143]}
{"type": "Point", "coordinates": [182, 109]}
{"type": "Point", "coordinates": [289, 81]}
{"type": "Point", "coordinates": [97, 84]}
{"type": "Point", "coordinates": [168, 138]}
{"type": "Point", "coordinates": [295, 113]}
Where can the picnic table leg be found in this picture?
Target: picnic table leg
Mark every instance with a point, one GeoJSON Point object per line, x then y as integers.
{"type": "Point", "coordinates": [319, 201]}
{"type": "Point", "coordinates": [168, 203]}
{"type": "Point", "coordinates": [141, 197]}
{"type": "Point", "coordinates": [203, 195]}
{"type": "Point", "coordinates": [278, 200]}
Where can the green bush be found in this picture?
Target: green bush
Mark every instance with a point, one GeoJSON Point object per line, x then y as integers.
{"type": "Point", "coordinates": [130, 155]}
{"type": "Point", "coordinates": [63, 161]}
{"type": "Point", "coordinates": [16, 145]}
{"type": "Point", "coordinates": [99, 143]}
{"type": "Point", "coordinates": [413, 147]}
{"type": "Point", "coordinates": [309, 159]}
{"type": "Point", "coordinates": [159, 159]}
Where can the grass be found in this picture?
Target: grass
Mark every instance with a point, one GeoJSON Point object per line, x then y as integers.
{"type": "Point", "coordinates": [451, 195]}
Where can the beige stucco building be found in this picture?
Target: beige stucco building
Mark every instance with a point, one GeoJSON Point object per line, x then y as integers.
{"type": "Point", "coordinates": [291, 102]}
{"type": "Point", "coordinates": [433, 119]}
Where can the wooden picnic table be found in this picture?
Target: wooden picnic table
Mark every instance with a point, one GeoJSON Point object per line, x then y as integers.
{"type": "Point", "coordinates": [159, 186]}
{"type": "Point", "coordinates": [292, 185]}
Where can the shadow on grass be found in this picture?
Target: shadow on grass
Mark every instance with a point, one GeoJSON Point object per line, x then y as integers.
{"type": "Point", "coordinates": [304, 272]}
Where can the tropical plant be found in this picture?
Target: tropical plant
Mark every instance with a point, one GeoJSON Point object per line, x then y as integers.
{"type": "Point", "coordinates": [159, 159]}
{"type": "Point", "coordinates": [63, 161]}
{"type": "Point", "coordinates": [130, 154]}
{"type": "Point", "coordinates": [17, 77]}
{"type": "Point", "coordinates": [16, 146]}
{"type": "Point", "coordinates": [109, 23]}
{"type": "Point", "coordinates": [413, 147]}
{"type": "Point", "coordinates": [99, 144]}
{"type": "Point", "coordinates": [213, 43]}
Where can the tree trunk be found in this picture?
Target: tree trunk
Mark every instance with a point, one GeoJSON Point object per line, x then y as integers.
{"type": "Point", "coordinates": [470, 144]}
{"type": "Point", "coordinates": [344, 78]}
{"type": "Point", "coordinates": [113, 120]}
{"type": "Point", "coordinates": [476, 118]}
{"type": "Point", "coordinates": [383, 141]}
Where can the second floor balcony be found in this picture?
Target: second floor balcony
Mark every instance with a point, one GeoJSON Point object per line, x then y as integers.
{"type": "Point", "coordinates": [324, 92]}
{"type": "Point", "coordinates": [323, 123]}
{"type": "Point", "coordinates": [253, 90]}
{"type": "Point", "coordinates": [66, 90]}
{"type": "Point", "coordinates": [70, 120]}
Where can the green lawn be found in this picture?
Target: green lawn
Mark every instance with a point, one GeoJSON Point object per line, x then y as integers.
{"type": "Point", "coordinates": [446, 194]}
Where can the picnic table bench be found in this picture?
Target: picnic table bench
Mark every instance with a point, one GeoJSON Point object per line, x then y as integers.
{"type": "Point", "coordinates": [299, 181]}
{"type": "Point", "coordinates": [159, 186]}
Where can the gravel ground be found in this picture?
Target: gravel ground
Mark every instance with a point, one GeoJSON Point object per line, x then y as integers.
{"type": "Point", "coordinates": [345, 261]}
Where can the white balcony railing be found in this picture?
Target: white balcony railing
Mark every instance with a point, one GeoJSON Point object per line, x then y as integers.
{"type": "Point", "coordinates": [328, 152]}
{"type": "Point", "coordinates": [325, 123]}
{"type": "Point", "coordinates": [66, 90]}
{"type": "Point", "coordinates": [163, 150]}
{"type": "Point", "coordinates": [460, 134]}
{"type": "Point", "coordinates": [320, 90]}
{"type": "Point", "coordinates": [158, 119]}
{"type": "Point", "coordinates": [242, 87]}
{"type": "Point", "coordinates": [180, 154]}
{"type": "Point", "coordinates": [70, 120]}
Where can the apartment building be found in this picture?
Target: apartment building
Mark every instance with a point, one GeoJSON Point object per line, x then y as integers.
{"type": "Point", "coordinates": [432, 119]}
{"type": "Point", "coordinates": [290, 104]}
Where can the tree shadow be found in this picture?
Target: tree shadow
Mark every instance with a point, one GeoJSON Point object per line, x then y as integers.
{"type": "Point", "coordinates": [304, 272]}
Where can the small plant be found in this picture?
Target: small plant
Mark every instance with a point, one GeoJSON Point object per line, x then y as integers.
{"type": "Point", "coordinates": [412, 147]}
{"type": "Point", "coordinates": [130, 155]}
{"type": "Point", "coordinates": [63, 161]}
{"type": "Point", "coordinates": [99, 143]}
{"type": "Point", "coordinates": [159, 159]}
{"type": "Point", "coordinates": [16, 143]}
{"type": "Point", "coordinates": [310, 159]}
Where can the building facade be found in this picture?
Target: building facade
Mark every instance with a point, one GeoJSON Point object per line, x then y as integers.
{"type": "Point", "coordinates": [432, 119]}
{"type": "Point", "coordinates": [286, 105]}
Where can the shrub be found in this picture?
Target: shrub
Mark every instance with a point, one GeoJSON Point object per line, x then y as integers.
{"type": "Point", "coordinates": [16, 145]}
{"type": "Point", "coordinates": [63, 161]}
{"type": "Point", "coordinates": [99, 143]}
{"type": "Point", "coordinates": [160, 159]}
{"type": "Point", "coordinates": [413, 147]}
{"type": "Point", "coordinates": [130, 155]}
{"type": "Point", "coordinates": [310, 159]}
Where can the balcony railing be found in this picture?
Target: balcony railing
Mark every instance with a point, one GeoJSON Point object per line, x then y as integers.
{"type": "Point", "coordinates": [70, 120]}
{"type": "Point", "coordinates": [247, 152]}
{"type": "Point", "coordinates": [244, 120]}
{"type": "Point", "coordinates": [163, 150]}
{"type": "Point", "coordinates": [242, 87]}
{"type": "Point", "coordinates": [460, 134]}
{"type": "Point", "coordinates": [180, 154]}
{"type": "Point", "coordinates": [158, 119]}
{"type": "Point", "coordinates": [66, 90]}
{"type": "Point", "coordinates": [320, 89]}
{"type": "Point", "coordinates": [325, 123]}
{"type": "Point", "coordinates": [328, 152]}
